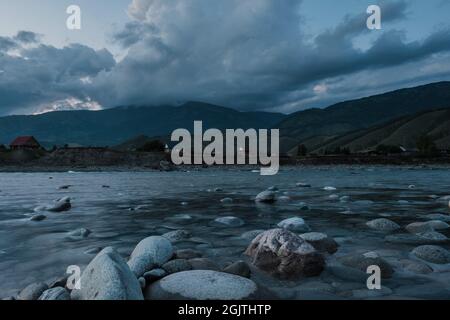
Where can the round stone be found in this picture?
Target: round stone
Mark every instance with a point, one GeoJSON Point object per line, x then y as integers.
{"type": "Point", "coordinates": [202, 285]}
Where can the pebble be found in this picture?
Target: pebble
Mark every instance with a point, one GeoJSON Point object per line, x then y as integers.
{"type": "Point", "coordinates": [383, 224]}
{"type": "Point", "coordinates": [294, 224]}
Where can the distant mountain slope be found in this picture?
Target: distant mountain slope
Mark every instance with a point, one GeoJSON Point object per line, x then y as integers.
{"type": "Point", "coordinates": [113, 126]}
{"type": "Point", "coordinates": [361, 113]}
{"type": "Point", "coordinates": [404, 132]}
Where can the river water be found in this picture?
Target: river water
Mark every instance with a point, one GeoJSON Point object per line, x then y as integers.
{"type": "Point", "coordinates": [136, 205]}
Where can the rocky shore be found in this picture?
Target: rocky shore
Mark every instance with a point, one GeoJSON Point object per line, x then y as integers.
{"type": "Point", "coordinates": [293, 251]}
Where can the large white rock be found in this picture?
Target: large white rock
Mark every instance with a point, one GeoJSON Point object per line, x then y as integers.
{"type": "Point", "coordinates": [294, 224]}
{"type": "Point", "coordinates": [108, 277]}
{"type": "Point", "coordinates": [266, 197]}
{"type": "Point", "coordinates": [383, 224]}
{"type": "Point", "coordinates": [202, 285]}
{"type": "Point", "coordinates": [150, 253]}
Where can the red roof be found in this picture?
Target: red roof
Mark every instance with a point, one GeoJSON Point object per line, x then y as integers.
{"type": "Point", "coordinates": [24, 141]}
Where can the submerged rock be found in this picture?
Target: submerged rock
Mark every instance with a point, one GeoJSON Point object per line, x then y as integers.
{"type": "Point", "coordinates": [294, 224]}
{"type": "Point", "coordinates": [57, 293]}
{"type": "Point", "coordinates": [303, 185]}
{"type": "Point", "coordinates": [321, 242]}
{"type": "Point", "coordinates": [433, 236]}
{"type": "Point", "coordinates": [419, 227]}
{"type": "Point", "coordinates": [108, 277]}
{"type": "Point", "coordinates": [202, 285]}
{"type": "Point", "coordinates": [150, 253]}
{"type": "Point", "coordinates": [252, 234]}
{"type": "Point", "coordinates": [227, 201]}
{"type": "Point", "coordinates": [61, 205]}
{"type": "Point", "coordinates": [383, 224]}
{"type": "Point", "coordinates": [79, 234]}
{"type": "Point", "coordinates": [38, 217]}
{"type": "Point", "coordinates": [362, 261]}
{"type": "Point", "coordinates": [230, 221]}
{"type": "Point", "coordinates": [154, 275]}
{"type": "Point", "coordinates": [239, 268]}
{"type": "Point", "coordinates": [177, 235]}
{"type": "Point", "coordinates": [33, 291]}
{"type": "Point", "coordinates": [266, 197]}
{"type": "Point", "coordinates": [433, 254]}
{"type": "Point", "coordinates": [438, 216]}
{"type": "Point", "coordinates": [412, 239]}
{"type": "Point", "coordinates": [284, 254]}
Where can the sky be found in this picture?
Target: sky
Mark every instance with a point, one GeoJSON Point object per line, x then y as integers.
{"type": "Point", "coordinates": [269, 55]}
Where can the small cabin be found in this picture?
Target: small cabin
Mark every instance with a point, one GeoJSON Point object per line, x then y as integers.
{"type": "Point", "coordinates": [25, 143]}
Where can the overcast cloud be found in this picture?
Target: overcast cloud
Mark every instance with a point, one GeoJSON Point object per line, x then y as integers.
{"type": "Point", "coordinates": [251, 54]}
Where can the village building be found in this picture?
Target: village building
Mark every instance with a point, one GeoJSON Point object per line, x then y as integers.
{"type": "Point", "coordinates": [25, 143]}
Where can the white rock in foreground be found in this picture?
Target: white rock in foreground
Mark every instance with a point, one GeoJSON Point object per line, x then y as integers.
{"type": "Point", "coordinates": [295, 224]}
{"type": "Point", "coordinates": [202, 285]}
{"type": "Point", "coordinates": [150, 253]}
{"type": "Point", "coordinates": [108, 277]}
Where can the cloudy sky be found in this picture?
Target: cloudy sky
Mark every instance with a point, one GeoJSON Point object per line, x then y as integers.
{"type": "Point", "coordinates": [273, 55]}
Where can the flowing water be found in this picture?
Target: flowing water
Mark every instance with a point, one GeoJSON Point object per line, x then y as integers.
{"type": "Point", "coordinates": [122, 208]}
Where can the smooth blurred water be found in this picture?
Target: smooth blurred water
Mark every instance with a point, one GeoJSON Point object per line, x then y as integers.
{"type": "Point", "coordinates": [140, 204]}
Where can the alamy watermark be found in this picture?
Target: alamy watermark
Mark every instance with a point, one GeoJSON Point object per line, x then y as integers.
{"type": "Point", "coordinates": [73, 22]}
{"type": "Point", "coordinates": [238, 147]}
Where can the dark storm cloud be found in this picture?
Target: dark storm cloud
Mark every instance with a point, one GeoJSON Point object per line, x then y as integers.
{"type": "Point", "coordinates": [44, 74]}
{"type": "Point", "coordinates": [249, 55]}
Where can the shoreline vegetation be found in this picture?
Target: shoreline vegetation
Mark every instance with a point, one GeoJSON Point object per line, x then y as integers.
{"type": "Point", "coordinates": [105, 159]}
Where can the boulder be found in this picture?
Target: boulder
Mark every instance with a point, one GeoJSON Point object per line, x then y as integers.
{"type": "Point", "coordinates": [239, 268]}
{"type": "Point", "coordinates": [433, 254]}
{"type": "Point", "coordinates": [321, 242]}
{"type": "Point", "coordinates": [362, 261]}
{"type": "Point", "coordinates": [150, 253]}
{"type": "Point", "coordinates": [33, 291]}
{"type": "Point", "coordinates": [439, 225]}
{"type": "Point", "coordinates": [177, 265]}
{"type": "Point", "coordinates": [58, 293]}
{"type": "Point", "coordinates": [108, 277]}
{"type": "Point", "coordinates": [329, 188]}
{"type": "Point", "coordinates": [383, 224]}
{"type": "Point", "coordinates": [285, 255]}
{"type": "Point", "coordinates": [433, 237]}
{"type": "Point", "coordinates": [202, 285]}
{"type": "Point", "coordinates": [295, 224]}
{"type": "Point", "coordinates": [226, 201]}
{"type": "Point", "coordinates": [266, 197]}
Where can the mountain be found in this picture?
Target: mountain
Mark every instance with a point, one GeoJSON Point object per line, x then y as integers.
{"type": "Point", "coordinates": [401, 132]}
{"type": "Point", "coordinates": [113, 126]}
{"type": "Point", "coordinates": [315, 126]}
